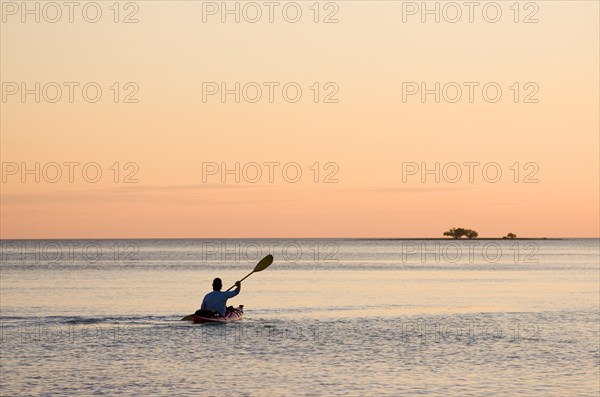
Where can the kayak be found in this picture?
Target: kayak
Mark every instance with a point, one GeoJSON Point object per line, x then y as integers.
{"type": "Point", "coordinates": [203, 316]}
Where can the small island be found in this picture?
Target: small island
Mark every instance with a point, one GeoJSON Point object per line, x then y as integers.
{"type": "Point", "coordinates": [458, 232]}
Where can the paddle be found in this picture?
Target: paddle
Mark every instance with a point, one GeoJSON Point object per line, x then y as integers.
{"type": "Point", "coordinates": [260, 266]}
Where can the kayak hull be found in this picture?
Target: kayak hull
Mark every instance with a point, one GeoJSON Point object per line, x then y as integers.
{"type": "Point", "coordinates": [235, 315]}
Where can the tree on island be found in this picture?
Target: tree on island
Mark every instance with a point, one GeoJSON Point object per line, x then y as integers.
{"type": "Point", "coordinates": [471, 234]}
{"type": "Point", "coordinates": [510, 236]}
{"type": "Point", "coordinates": [455, 233]}
{"type": "Point", "coordinates": [458, 232]}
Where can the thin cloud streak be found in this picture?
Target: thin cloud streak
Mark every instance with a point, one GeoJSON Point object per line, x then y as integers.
{"type": "Point", "coordinates": [414, 189]}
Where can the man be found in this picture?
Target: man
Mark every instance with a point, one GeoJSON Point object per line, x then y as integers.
{"type": "Point", "coordinates": [216, 300]}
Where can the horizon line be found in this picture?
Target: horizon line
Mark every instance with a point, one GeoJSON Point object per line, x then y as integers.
{"type": "Point", "coordinates": [300, 238]}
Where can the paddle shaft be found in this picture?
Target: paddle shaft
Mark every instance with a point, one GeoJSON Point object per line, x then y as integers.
{"type": "Point", "coordinates": [260, 266]}
{"type": "Point", "coordinates": [248, 275]}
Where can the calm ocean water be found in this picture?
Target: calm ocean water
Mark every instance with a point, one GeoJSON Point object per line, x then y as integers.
{"type": "Point", "coordinates": [328, 317]}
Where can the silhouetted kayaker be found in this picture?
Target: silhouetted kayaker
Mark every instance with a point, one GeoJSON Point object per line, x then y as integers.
{"type": "Point", "coordinates": [216, 300]}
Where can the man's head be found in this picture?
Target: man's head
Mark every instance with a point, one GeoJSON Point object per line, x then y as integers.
{"type": "Point", "coordinates": [217, 284]}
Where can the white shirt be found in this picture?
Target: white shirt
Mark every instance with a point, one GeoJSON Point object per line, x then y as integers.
{"type": "Point", "coordinates": [217, 300]}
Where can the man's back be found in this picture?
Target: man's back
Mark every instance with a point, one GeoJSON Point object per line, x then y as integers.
{"type": "Point", "coordinates": [217, 300]}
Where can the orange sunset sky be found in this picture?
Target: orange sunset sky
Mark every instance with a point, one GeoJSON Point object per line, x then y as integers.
{"type": "Point", "coordinates": [361, 141]}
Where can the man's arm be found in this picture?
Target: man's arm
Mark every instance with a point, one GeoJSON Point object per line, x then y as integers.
{"type": "Point", "coordinates": [236, 291]}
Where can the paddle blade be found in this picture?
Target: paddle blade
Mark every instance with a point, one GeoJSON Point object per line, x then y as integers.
{"type": "Point", "coordinates": [189, 317]}
{"type": "Point", "coordinates": [264, 263]}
